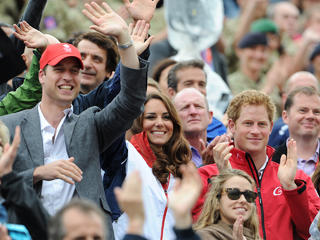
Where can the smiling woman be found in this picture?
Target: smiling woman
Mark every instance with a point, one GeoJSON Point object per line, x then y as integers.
{"type": "Point", "coordinates": [229, 211]}
{"type": "Point", "coordinates": [162, 129]}
{"type": "Point", "coordinates": [157, 153]}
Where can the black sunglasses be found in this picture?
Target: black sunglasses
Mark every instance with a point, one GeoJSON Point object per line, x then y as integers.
{"type": "Point", "coordinates": [235, 193]}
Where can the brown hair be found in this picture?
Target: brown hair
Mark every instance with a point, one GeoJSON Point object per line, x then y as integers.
{"type": "Point", "coordinates": [162, 65]}
{"type": "Point", "coordinates": [107, 43]}
{"type": "Point", "coordinates": [250, 97]}
{"type": "Point", "coordinates": [308, 91]}
{"type": "Point", "coordinates": [176, 151]}
{"type": "Point", "coordinates": [172, 74]}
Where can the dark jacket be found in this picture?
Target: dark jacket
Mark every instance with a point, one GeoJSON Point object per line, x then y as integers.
{"type": "Point", "coordinates": [23, 203]}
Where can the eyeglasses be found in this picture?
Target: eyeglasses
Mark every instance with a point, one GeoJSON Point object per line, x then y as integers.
{"type": "Point", "coordinates": [235, 194]}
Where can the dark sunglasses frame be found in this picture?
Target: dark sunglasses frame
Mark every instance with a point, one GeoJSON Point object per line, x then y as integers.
{"type": "Point", "coordinates": [235, 194]}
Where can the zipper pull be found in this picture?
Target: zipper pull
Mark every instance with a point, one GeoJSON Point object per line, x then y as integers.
{"type": "Point", "coordinates": [259, 194]}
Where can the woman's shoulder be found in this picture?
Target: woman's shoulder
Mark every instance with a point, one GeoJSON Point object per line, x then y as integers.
{"type": "Point", "coordinates": [219, 231]}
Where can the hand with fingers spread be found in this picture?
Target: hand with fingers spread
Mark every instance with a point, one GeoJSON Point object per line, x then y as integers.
{"type": "Point", "coordinates": [33, 38]}
{"type": "Point", "coordinates": [238, 229]}
{"type": "Point", "coordinates": [106, 21]}
{"type": "Point", "coordinates": [141, 9]}
{"type": "Point", "coordinates": [65, 170]}
{"type": "Point", "coordinates": [221, 155]}
{"type": "Point", "coordinates": [129, 197]}
{"type": "Point", "coordinates": [139, 32]}
{"type": "Point", "coordinates": [288, 167]}
{"type": "Point", "coordinates": [9, 154]}
{"type": "Point", "coordinates": [185, 194]}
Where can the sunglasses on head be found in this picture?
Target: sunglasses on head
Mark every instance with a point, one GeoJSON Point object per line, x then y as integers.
{"type": "Point", "coordinates": [235, 193]}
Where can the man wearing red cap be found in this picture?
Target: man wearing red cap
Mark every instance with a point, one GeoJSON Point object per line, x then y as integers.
{"type": "Point", "coordinates": [59, 151]}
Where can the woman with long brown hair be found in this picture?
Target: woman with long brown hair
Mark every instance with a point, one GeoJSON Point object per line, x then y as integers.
{"type": "Point", "coordinates": [156, 152]}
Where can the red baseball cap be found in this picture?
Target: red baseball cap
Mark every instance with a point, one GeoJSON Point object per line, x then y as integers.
{"type": "Point", "coordinates": [54, 53]}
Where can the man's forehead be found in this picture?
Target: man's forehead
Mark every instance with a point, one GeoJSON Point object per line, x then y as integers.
{"type": "Point", "coordinates": [251, 108]}
{"type": "Point", "coordinates": [305, 100]}
{"type": "Point", "coordinates": [189, 97]}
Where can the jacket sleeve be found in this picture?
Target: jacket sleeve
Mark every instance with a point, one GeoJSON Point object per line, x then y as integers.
{"type": "Point", "coordinates": [32, 15]}
{"type": "Point", "coordinates": [100, 96]}
{"type": "Point", "coordinates": [186, 234]}
{"type": "Point", "coordinates": [205, 173]}
{"type": "Point", "coordinates": [118, 116]}
{"type": "Point", "coordinates": [22, 200]}
{"type": "Point", "coordinates": [133, 237]}
{"type": "Point", "coordinates": [27, 95]}
{"type": "Point", "coordinates": [304, 204]}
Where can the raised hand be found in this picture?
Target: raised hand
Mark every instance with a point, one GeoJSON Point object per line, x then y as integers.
{"type": "Point", "coordinates": [141, 9]}
{"type": "Point", "coordinates": [207, 151]}
{"type": "Point", "coordinates": [288, 167]}
{"type": "Point", "coordinates": [106, 20]}
{"type": "Point", "coordinates": [185, 194]}
{"type": "Point", "coordinates": [65, 170]}
{"type": "Point", "coordinates": [9, 154]}
{"type": "Point", "coordinates": [238, 229]}
{"type": "Point", "coordinates": [31, 37]}
{"type": "Point", "coordinates": [129, 198]}
{"type": "Point", "coordinates": [139, 33]}
{"type": "Point", "coordinates": [221, 152]}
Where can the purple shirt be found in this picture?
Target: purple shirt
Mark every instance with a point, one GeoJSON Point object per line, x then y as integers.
{"type": "Point", "coordinates": [196, 157]}
{"type": "Point", "coordinates": [308, 166]}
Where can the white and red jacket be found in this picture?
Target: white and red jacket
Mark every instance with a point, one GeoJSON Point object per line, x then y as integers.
{"type": "Point", "coordinates": [283, 214]}
{"type": "Point", "coordinates": [159, 219]}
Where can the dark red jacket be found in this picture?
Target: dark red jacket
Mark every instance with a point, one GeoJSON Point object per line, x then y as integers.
{"type": "Point", "coordinates": [282, 213]}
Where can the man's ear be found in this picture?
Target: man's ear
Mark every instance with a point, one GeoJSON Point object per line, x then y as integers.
{"type": "Point", "coordinates": [231, 126]}
{"type": "Point", "coordinates": [41, 76]}
{"type": "Point", "coordinates": [171, 92]}
{"type": "Point", "coordinates": [285, 116]}
{"type": "Point", "coordinates": [271, 126]}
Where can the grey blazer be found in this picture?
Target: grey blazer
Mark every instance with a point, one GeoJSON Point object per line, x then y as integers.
{"type": "Point", "coordinates": [86, 135]}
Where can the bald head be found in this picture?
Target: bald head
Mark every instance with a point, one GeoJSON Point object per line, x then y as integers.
{"type": "Point", "coordinates": [192, 108]}
{"type": "Point", "coordinates": [285, 15]}
{"type": "Point", "coordinates": [297, 80]}
{"type": "Point", "coordinates": [301, 79]}
{"type": "Point", "coordinates": [186, 92]}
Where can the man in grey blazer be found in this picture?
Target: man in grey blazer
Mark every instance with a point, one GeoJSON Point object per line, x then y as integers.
{"type": "Point", "coordinates": [59, 151]}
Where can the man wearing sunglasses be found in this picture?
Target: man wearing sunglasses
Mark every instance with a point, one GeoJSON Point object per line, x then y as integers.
{"type": "Point", "coordinates": [287, 201]}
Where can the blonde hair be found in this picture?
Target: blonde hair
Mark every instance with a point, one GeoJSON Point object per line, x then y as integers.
{"type": "Point", "coordinates": [211, 210]}
{"type": "Point", "coordinates": [250, 97]}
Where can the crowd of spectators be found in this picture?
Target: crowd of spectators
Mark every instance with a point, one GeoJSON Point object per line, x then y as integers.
{"type": "Point", "coordinates": [160, 119]}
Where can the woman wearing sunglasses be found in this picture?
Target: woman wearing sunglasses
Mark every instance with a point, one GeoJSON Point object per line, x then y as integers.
{"type": "Point", "coordinates": [229, 211]}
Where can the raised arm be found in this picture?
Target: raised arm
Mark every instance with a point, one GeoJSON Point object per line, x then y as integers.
{"type": "Point", "coordinates": [32, 14]}
{"type": "Point", "coordinates": [301, 196]}
{"type": "Point", "coordinates": [129, 198]}
{"type": "Point", "coordinates": [29, 93]}
{"type": "Point", "coordinates": [141, 9]}
{"type": "Point", "coordinates": [107, 22]}
{"type": "Point", "coordinates": [182, 200]}
{"type": "Point", "coordinates": [120, 113]}
{"type": "Point", "coordinates": [19, 197]}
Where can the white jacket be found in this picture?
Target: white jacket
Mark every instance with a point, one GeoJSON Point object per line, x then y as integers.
{"type": "Point", "coordinates": [154, 198]}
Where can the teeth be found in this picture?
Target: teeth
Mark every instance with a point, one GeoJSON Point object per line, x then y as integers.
{"type": "Point", "coordinates": [66, 87]}
{"type": "Point", "coordinates": [158, 133]}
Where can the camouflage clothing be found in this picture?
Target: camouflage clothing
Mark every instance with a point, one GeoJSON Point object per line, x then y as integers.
{"type": "Point", "coordinates": [238, 82]}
